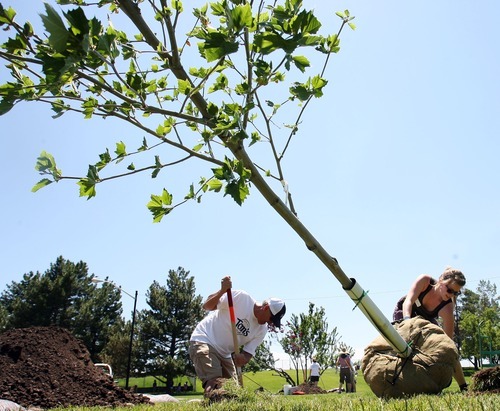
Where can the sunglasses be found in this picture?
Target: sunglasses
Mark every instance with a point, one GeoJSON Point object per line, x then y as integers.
{"type": "Point", "coordinates": [450, 291]}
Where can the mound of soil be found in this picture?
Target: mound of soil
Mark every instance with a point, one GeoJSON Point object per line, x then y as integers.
{"type": "Point", "coordinates": [46, 367]}
{"type": "Point", "coordinates": [307, 388]}
{"type": "Point", "coordinates": [487, 380]}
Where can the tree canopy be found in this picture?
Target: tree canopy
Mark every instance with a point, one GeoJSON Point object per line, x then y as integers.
{"type": "Point", "coordinates": [307, 337]}
{"type": "Point", "coordinates": [231, 92]}
{"type": "Point", "coordinates": [479, 316]}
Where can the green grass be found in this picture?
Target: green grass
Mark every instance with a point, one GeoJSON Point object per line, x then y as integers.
{"type": "Point", "coordinates": [247, 399]}
{"type": "Point", "coordinates": [274, 384]}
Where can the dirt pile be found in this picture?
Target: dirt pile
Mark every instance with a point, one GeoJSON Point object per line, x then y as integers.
{"type": "Point", "coordinates": [46, 367]}
{"type": "Point", "coordinates": [307, 388]}
{"type": "Point", "coordinates": [487, 380]}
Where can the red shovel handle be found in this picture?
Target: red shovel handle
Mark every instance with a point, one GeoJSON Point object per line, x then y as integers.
{"type": "Point", "coordinates": [231, 307]}
{"type": "Point", "coordinates": [233, 328]}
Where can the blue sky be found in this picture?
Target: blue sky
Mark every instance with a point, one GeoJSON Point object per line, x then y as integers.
{"type": "Point", "coordinates": [395, 171]}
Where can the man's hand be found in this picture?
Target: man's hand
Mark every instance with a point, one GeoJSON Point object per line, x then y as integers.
{"type": "Point", "coordinates": [211, 302]}
{"type": "Point", "coordinates": [241, 359]}
{"type": "Point", "coordinates": [226, 284]}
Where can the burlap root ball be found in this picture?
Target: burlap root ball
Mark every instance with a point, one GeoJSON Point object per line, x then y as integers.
{"type": "Point", "coordinates": [427, 371]}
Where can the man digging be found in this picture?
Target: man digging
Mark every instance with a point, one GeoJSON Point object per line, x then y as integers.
{"type": "Point", "coordinates": [211, 347]}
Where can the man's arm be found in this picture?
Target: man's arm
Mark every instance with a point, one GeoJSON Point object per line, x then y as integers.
{"type": "Point", "coordinates": [211, 302]}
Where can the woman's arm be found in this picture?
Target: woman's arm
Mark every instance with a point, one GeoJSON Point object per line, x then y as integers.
{"type": "Point", "coordinates": [420, 284]}
{"type": "Point", "coordinates": [446, 314]}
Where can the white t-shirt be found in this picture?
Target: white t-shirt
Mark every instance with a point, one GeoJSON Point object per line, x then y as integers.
{"type": "Point", "coordinates": [215, 328]}
{"type": "Point", "coordinates": [315, 369]}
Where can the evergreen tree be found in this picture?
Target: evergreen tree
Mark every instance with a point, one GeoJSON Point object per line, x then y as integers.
{"type": "Point", "coordinates": [165, 328]}
{"type": "Point", "coordinates": [64, 296]}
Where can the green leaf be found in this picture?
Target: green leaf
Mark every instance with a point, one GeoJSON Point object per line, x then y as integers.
{"type": "Point", "coordinates": [177, 6]}
{"type": "Point", "coordinates": [87, 188]}
{"type": "Point", "coordinates": [87, 184]}
{"type": "Point", "coordinates": [266, 43]}
{"type": "Point", "coordinates": [46, 164]}
{"type": "Point", "coordinates": [198, 147]}
{"type": "Point", "coordinates": [241, 16]}
{"type": "Point", "coordinates": [214, 185]}
{"type": "Point", "coordinates": [191, 193]}
{"type": "Point", "coordinates": [220, 83]}
{"type": "Point", "coordinates": [184, 87]}
{"type": "Point", "coordinates": [104, 160]}
{"type": "Point", "coordinates": [160, 205]}
{"type": "Point", "coordinates": [238, 190]}
{"type": "Point", "coordinates": [55, 26]}
{"type": "Point", "coordinates": [318, 83]}
{"type": "Point", "coordinates": [216, 46]}
{"type": "Point", "coordinates": [144, 146]}
{"type": "Point", "coordinates": [300, 91]}
{"type": "Point", "coordinates": [121, 150]}
{"type": "Point", "coordinates": [166, 127]}
{"type": "Point", "coordinates": [158, 167]}
{"type": "Point", "coordinates": [42, 183]}
{"type": "Point", "coordinates": [6, 15]}
{"type": "Point", "coordinates": [301, 63]}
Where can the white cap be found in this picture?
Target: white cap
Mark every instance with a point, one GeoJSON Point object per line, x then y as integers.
{"type": "Point", "coordinates": [278, 310]}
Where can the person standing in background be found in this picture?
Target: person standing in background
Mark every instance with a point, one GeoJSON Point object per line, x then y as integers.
{"type": "Point", "coordinates": [314, 373]}
{"type": "Point", "coordinates": [346, 371]}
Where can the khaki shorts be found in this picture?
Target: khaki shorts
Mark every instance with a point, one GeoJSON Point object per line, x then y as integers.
{"type": "Point", "coordinates": [208, 364]}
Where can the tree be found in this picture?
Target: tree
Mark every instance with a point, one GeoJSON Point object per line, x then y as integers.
{"type": "Point", "coordinates": [116, 350]}
{"type": "Point", "coordinates": [264, 360]}
{"type": "Point", "coordinates": [232, 99]}
{"type": "Point", "coordinates": [308, 337]}
{"type": "Point", "coordinates": [166, 327]}
{"type": "Point", "coordinates": [64, 296]}
{"type": "Point", "coordinates": [479, 316]}
{"type": "Point", "coordinates": [3, 317]}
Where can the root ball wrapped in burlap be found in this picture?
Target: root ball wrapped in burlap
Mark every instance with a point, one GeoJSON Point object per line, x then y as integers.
{"type": "Point", "coordinates": [427, 371]}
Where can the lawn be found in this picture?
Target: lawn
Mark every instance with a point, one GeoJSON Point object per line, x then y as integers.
{"type": "Point", "coordinates": [272, 383]}
{"type": "Point", "coordinates": [246, 399]}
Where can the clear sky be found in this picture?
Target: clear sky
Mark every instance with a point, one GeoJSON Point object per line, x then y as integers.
{"type": "Point", "coordinates": [395, 171]}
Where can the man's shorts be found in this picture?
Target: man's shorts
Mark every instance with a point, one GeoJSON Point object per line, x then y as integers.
{"type": "Point", "coordinates": [208, 364]}
{"type": "Point", "coordinates": [345, 375]}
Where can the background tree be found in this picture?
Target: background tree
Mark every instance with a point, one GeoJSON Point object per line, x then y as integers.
{"type": "Point", "coordinates": [479, 315]}
{"type": "Point", "coordinates": [3, 317]}
{"type": "Point", "coordinates": [166, 327]}
{"type": "Point", "coordinates": [64, 296]}
{"type": "Point", "coordinates": [116, 351]}
{"type": "Point", "coordinates": [308, 336]}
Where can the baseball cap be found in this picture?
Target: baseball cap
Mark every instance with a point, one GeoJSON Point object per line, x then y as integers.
{"type": "Point", "coordinates": [278, 310]}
